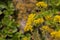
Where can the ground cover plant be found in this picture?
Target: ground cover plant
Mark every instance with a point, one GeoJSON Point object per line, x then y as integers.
{"type": "Point", "coordinates": [30, 20]}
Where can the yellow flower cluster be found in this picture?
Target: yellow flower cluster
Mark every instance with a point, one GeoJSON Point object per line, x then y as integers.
{"type": "Point", "coordinates": [39, 20]}
{"type": "Point", "coordinates": [29, 22]}
{"type": "Point", "coordinates": [41, 4]}
{"type": "Point", "coordinates": [24, 38]}
{"type": "Point", "coordinates": [46, 28]}
{"type": "Point", "coordinates": [55, 34]}
{"type": "Point", "coordinates": [57, 18]}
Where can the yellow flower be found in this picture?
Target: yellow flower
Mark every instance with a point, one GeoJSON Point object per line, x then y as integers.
{"type": "Point", "coordinates": [41, 4]}
{"type": "Point", "coordinates": [46, 28]}
{"type": "Point", "coordinates": [57, 18]}
{"type": "Point", "coordinates": [39, 20]}
{"type": "Point", "coordinates": [29, 22]}
{"type": "Point", "coordinates": [31, 15]}
{"type": "Point", "coordinates": [28, 27]}
{"type": "Point", "coordinates": [58, 34]}
{"type": "Point", "coordinates": [55, 34]}
{"type": "Point", "coordinates": [24, 38]}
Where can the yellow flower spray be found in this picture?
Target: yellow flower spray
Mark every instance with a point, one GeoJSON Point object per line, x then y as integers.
{"type": "Point", "coordinates": [28, 25]}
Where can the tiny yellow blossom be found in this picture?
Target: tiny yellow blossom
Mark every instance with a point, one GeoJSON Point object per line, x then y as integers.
{"type": "Point", "coordinates": [28, 25]}
{"type": "Point", "coordinates": [46, 28]}
{"type": "Point", "coordinates": [24, 38]}
{"type": "Point", "coordinates": [31, 15]}
{"type": "Point", "coordinates": [57, 18]}
{"type": "Point", "coordinates": [55, 34]}
{"type": "Point", "coordinates": [58, 34]}
{"type": "Point", "coordinates": [41, 4]}
{"type": "Point", "coordinates": [39, 20]}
